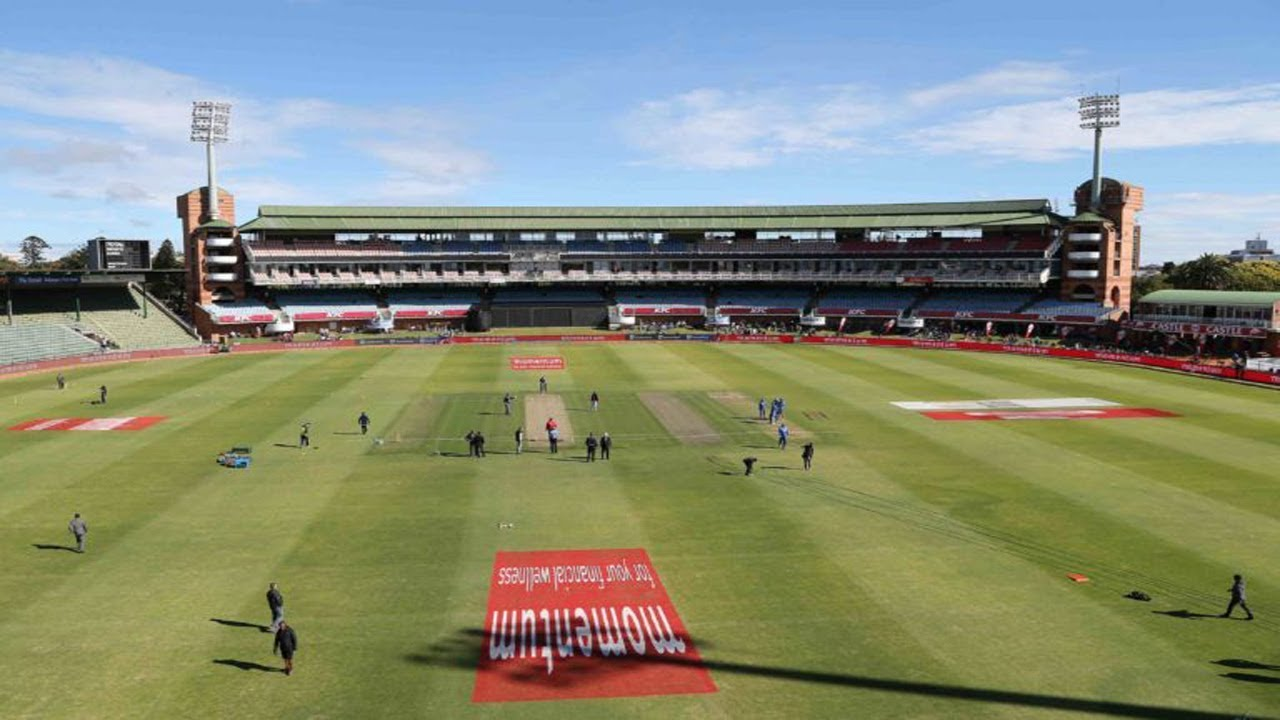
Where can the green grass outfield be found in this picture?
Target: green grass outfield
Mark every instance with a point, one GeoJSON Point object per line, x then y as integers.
{"type": "Point", "coordinates": [918, 571]}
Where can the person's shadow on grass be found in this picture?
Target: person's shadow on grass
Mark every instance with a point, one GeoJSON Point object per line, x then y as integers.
{"type": "Point", "coordinates": [1246, 664]}
{"type": "Point", "coordinates": [239, 623]}
{"type": "Point", "coordinates": [1183, 614]}
{"type": "Point", "coordinates": [246, 665]}
{"type": "Point", "coordinates": [42, 546]}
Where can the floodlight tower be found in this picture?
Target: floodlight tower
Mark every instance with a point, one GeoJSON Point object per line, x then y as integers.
{"type": "Point", "coordinates": [209, 122]}
{"type": "Point", "coordinates": [1098, 112]}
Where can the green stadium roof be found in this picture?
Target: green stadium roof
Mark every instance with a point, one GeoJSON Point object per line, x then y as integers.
{"type": "Point", "coordinates": [751, 217]}
{"type": "Point", "coordinates": [1212, 297]}
{"type": "Point", "coordinates": [219, 223]}
{"type": "Point", "coordinates": [1088, 216]}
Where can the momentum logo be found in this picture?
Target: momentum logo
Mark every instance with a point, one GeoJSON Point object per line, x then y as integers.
{"type": "Point", "coordinates": [582, 624]}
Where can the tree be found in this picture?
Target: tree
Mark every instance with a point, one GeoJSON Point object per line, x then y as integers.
{"type": "Point", "coordinates": [31, 251]}
{"type": "Point", "coordinates": [166, 258]}
{"type": "Point", "coordinates": [77, 259]}
{"type": "Point", "coordinates": [1207, 272]}
{"type": "Point", "coordinates": [1148, 284]}
{"type": "Point", "coordinates": [1261, 275]}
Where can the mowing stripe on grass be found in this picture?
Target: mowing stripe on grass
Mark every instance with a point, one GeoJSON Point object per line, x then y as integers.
{"type": "Point", "coordinates": [683, 422]}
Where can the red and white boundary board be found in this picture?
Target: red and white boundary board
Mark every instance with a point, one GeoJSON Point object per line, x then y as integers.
{"type": "Point", "coordinates": [91, 424]}
{"type": "Point", "coordinates": [1062, 414]}
{"type": "Point", "coordinates": [572, 624]}
{"type": "Point", "coordinates": [554, 362]}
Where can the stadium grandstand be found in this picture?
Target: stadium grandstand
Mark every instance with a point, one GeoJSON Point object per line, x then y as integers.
{"type": "Point", "coordinates": [345, 268]}
{"type": "Point", "coordinates": [65, 314]}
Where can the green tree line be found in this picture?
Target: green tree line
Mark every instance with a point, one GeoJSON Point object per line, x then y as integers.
{"type": "Point", "coordinates": [1212, 272]}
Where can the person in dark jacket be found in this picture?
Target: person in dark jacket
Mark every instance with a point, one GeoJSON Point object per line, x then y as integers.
{"type": "Point", "coordinates": [606, 446]}
{"type": "Point", "coordinates": [519, 440]}
{"type": "Point", "coordinates": [304, 435]}
{"type": "Point", "coordinates": [102, 395]}
{"type": "Point", "coordinates": [749, 463]}
{"type": "Point", "coordinates": [286, 644]}
{"type": "Point", "coordinates": [592, 443]}
{"type": "Point", "coordinates": [79, 528]}
{"type": "Point", "coordinates": [1237, 598]}
{"type": "Point", "coordinates": [806, 455]}
{"type": "Point", "coordinates": [275, 601]}
{"type": "Point", "coordinates": [363, 421]}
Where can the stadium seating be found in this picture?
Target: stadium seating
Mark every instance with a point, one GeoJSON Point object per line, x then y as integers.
{"type": "Point", "coordinates": [781, 297]}
{"type": "Point", "coordinates": [661, 301]}
{"type": "Point", "coordinates": [111, 312]}
{"type": "Point", "coordinates": [513, 296]}
{"type": "Point", "coordinates": [845, 299]}
{"type": "Point", "coordinates": [328, 306]}
{"type": "Point", "coordinates": [41, 341]}
{"type": "Point", "coordinates": [443, 303]}
{"type": "Point", "coordinates": [976, 301]}
{"type": "Point", "coordinates": [244, 311]}
{"type": "Point", "coordinates": [127, 327]}
{"type": "Point", "coordinates": [1053, 306]}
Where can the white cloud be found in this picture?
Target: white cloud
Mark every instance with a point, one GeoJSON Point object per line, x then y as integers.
{"type": "Point", "coordinates": [113, 130]}
{"type": "Point", "coordinates": [426, 171]}
{"type": "Point", "coordinates": [1011, 79]}
{"type": "Point", "coordinates": [714, 129]}
{"type": "Point", "coordinates": [1185, 225]}
{"type": "Point", "coordinates": [1047, 130]}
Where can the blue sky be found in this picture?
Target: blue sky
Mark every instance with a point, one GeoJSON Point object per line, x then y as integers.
{"type": "Point", "coordinates": [598, 103]}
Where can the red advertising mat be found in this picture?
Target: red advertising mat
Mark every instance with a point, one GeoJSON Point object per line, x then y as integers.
{"type": "Point", "coordinates": [552, 362]}
{"type": "Point", "coordinates": [99, 424]}
{"type": "Point", "coordinates": [571, 624]}
{"type": "Point", "coordinates": [1063, 414]}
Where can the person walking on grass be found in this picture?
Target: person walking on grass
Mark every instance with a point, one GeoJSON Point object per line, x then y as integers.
{"type": "Point", "coordinates": [760, 409]}
{"type": "Point", "coordinates": [363, 421]}
{"type": "Point", "coordinates": [806, 454]}
{"type": "Point", "coordinates": [79, 528]}
{"type": "Point", "coordinates": [304, 436]}
{"type": "Point", "coordinates": [102, 395]}
{"type": "Point", "coordinates": [1237, 598]}
{"type": "Point", "coordinates": [606, 446]}
{"type": "Point", "coordinates": [542, 385]}
{"type": "Point", "coordinates": [591, 443]}
{"type": "Point", "coordinates": [275, 602]}
{"type": "Point", "coordinates": [784, 433]}
{"type": "Point", "coordinates": [553, 439]}
{"type": "Point", "coordinates": [506, 403]}
{"type": "Point", "coordinates": [62, 381]}
{"type": "Point", "coordinates": [285, 645]}
{"type": "Point", "coordinates": [595, 401]}
{"type": "Point", "coordinates": [519, 440]}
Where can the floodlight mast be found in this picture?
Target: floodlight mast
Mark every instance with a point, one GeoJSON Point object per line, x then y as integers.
{"type": "Point", "coordinates": [1098, 112]}
{"type": "Point", "coordinates": [209, 122]}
